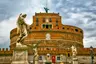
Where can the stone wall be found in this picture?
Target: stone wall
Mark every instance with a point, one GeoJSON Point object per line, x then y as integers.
{"type": "Point", "coordinates": [5, 59]}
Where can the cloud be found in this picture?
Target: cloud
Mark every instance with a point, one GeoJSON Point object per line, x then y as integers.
{"type": "Point", "coordinates": [5, 27]}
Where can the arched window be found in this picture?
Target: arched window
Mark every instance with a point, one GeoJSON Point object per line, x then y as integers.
{"type": "Point", "coordinates": [76, 30]}
{"type": "Point", "coordinates": [47, 26]}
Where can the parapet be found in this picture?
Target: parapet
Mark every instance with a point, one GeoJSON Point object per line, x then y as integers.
{"type": "Point", "coordinates": [5, 51]}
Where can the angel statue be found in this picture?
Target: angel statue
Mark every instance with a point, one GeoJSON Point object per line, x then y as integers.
{"type": "Point", "coordinates": [74, 51]}
{"type": "Point", "coordinates": [36, 56]}
{"type": "Point", "coordinates": [22, 29]}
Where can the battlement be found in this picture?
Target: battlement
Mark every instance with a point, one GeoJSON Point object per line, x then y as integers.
{"type": "Point", "coordinates": [47, 14]}
{"type": "Point", "coordinates": [5, 51]}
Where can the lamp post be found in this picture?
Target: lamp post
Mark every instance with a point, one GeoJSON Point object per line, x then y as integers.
{"type": "Point", "coordinates": [91, 54]}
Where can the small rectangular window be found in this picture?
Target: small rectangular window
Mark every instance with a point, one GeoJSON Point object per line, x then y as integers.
{"type": "Point", "coordinates": [58, 58]}
{"type": "Point", "coordinates": [44, 25]}
{"type": "Point", "coordinates": [56, 22]}
{"type": "Point", "coordinates": [50, 20]}
{"type": "Point", "coordinates": [50, 26]}
{"type": "Point", "coordinates": [37, 21]}
{"type": "Point", "coordinates": [43, 19]}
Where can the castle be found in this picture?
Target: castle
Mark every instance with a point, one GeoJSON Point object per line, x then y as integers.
{"type": "Point", "coordinates": [55, 40]}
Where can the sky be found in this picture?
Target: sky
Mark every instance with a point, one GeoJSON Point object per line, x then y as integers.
{"type": "Point", "coordinates": [80, 13]}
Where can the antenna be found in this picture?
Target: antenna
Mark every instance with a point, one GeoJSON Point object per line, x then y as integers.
{"type": "Point", "coordinates": [46, 3]}
{"type": "Point", "coordinates": [46, 8]}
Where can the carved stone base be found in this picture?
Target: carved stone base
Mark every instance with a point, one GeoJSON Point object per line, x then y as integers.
{"type": "Point", "coordinates": [20, 62]}
{"type": "Point", "coordinates": [75, 61]}
{"type": "Point", "coordinates": [20, 55]}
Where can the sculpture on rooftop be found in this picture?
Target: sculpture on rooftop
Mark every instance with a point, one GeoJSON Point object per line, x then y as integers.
{"type": "Point", "coordinates": [46, 9]}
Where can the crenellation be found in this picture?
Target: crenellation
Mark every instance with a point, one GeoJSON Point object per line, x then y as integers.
{"type": "Point", "coordinates": [7, 49]}
{"type": "Point", "coordinates": [3, 49]}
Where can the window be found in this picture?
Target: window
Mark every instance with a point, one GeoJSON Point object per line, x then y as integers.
{"type": "Point", "coordinates": [35, 28]}
{"type": "Point", "coordinates": [50, 20]}
{"type": "Point", "coordinates": [81, 32]}
{"type": "Point", "coordinates": [68, 55]}
{"type": "Point", "coordinates": [48, 49]}
{"type": "Point", "coordinates": [76, 30]}
{"type": "Point", "coordinates": [44, 25]}
{"type": "Point", "coordinates": [47, 26]}
{"type": "Point", "coordinates": [58, 58]}
{"type": "Point", "coordinates": [50, 26]}
{"type": "Point", "coordinates": [30, 27]}
{"type": "Point", "coordinates": [40, 57]}
{"type": "Point", "coordinates": [63, 28]}
{"type": "Point", "coordinates": [56, 22]}
{"type": "Point", "coordinates": [37, 22]}
{"type": "Point", "coordinates": [43, 19]}
{"type": "Point", "coordinates": [67, 28]}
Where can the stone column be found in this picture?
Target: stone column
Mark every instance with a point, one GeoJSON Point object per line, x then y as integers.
{"type": "Point", "coordinates": [20, 55]}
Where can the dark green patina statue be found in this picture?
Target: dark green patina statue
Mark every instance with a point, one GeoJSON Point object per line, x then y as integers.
{"type": "Point", "coordinates": [46, 9]}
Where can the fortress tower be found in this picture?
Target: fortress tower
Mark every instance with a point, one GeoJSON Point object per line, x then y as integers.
{"type": "Point", "coordinates": [55, 40]}
{"type": "Point", "coordinates": [48, 27]}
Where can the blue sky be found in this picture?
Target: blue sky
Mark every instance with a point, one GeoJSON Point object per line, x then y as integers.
{"type": "Point", "coordinates": [80, 13]}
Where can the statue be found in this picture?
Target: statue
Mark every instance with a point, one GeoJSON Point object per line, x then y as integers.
{"type": "Point", "coordinates": [74, 51]}
{"type": "Point", "coordinates": [46, 9]}
{"type": "Point", "coordinates": [36, 56]}
{"type": "Point", "coordinates": [22, 29]}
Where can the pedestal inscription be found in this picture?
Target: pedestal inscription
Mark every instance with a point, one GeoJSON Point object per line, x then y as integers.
{"type": "Point", "coordinates": [20, 56]}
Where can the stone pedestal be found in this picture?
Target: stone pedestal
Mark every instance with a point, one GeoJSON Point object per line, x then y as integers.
{"type": "Point", "coordinates": [20, 55]}
{"type": "Point", "coordinates": [75, 61]}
